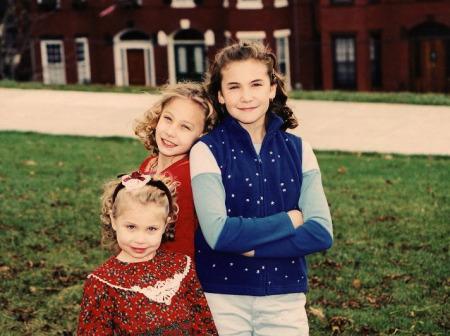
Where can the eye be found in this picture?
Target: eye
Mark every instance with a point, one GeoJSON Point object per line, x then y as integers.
{"type": "Point", "coordinates": [257, 84]}
{"type": "Point", "coordinates": [166, 117]}
{"type": "Point", "coordinates": [131, 227]}
{"type": "Point", "coordinates": [186, 127]}
{"type": "Point", "coordinates": [233, 87]}
{"type": "Point", "coordinates": [152, 228]}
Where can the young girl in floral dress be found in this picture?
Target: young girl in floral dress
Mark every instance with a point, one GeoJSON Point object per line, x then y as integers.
{"type": "Point", "coordinates": [143, 290]}
{"type": "Point", "coordinates": [169, 129]}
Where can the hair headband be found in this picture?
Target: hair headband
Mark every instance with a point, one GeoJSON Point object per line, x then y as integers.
{"type": "Point", "coordinates": [137, 180]}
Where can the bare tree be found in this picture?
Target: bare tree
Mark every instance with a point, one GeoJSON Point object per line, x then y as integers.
{"type": "Point", "coordinates": [14, 36]}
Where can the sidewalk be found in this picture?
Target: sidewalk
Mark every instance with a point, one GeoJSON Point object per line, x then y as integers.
{"type": "Point", "coordinates": [365, 127]}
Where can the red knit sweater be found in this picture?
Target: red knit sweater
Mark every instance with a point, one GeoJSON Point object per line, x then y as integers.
{"type": "Point", "coordinates": [187, 221]}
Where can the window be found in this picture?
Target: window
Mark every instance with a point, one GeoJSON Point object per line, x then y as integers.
{"type": "Point", "coordinates": [83, 64]}
{"type": "Point", "coordinates": [375, 60]}
{"type": "Point", "coordinates": [344, 62]}
{"type": "Point", "coordinates": [53, 62]}
{"type": "Point", "coordinates": [189, 53]}
{"type": "Point", "coordinates": [49, 4]}
{"type": "Point", "coordinates": [282, 43]}
{"type": "Point", "coordinates": [249, 4]}
{"type": "Point", "coordinates": [183, 4]}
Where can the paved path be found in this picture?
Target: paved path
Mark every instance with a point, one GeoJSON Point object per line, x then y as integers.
{"type": "Point", "coordinates": [367, 127]}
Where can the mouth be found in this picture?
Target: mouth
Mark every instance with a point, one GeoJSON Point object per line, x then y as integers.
{"type": "Point", "coordinates": [167, 143]}
{"type": "Point", "coordinates": [246, 109]}
{"type": "Point", "coordinates": [139, 250]}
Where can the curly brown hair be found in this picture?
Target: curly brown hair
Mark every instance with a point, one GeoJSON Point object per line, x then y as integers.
{"type": "Point", "coordinates": [244, 51]}
{"type": "Point", "coordinates": [144, 127]}
{"type": "Point", "coordinates": [145, 195]}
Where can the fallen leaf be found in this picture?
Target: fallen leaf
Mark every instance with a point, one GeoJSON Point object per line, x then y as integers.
{"type": "Point", "coordinates": [30, 163]}
{"type": "Point", "coordinates": [317, 312]}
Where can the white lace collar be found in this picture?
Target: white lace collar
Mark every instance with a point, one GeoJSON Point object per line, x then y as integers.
{"type": "Point", "coordinates": [162, 291]}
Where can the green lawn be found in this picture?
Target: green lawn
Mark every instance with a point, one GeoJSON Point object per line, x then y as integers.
{"type": "Point", "coordinates": [387, 273]}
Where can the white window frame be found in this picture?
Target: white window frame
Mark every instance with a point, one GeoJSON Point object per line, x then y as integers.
{"type": "Point", "coordinates": [251, 35]}
{"type": "Point", "coordinates": [121, 64]}
{"type": "Point", "coordinates": [249, 4]}
{"type": "Point", "coordinates": [53, 73]}
{"type": "Point", "coordinates": [171, 55]}
{"type": "Point", "coordinates": [283, 34]}
{"type": "Point", "coordinates": [183, 4]}
{"type": "Point", "coordinates": [83, 67]}
{"type": "Point", "coordinates": [280, 3]}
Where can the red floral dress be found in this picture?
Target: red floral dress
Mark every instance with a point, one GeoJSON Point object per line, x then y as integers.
{"type": "Point", "coordinates": [161, 296]}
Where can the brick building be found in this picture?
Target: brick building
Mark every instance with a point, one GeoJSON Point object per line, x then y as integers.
{"type": "Point", "coordinates": [364, 45]}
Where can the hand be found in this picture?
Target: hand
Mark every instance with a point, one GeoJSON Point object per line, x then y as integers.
{"type": "Point", "coordinates": [249, 253]}
{"type": "Point", "coordinates": [296, 218]}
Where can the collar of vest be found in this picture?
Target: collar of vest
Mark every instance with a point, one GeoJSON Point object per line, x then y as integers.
{"type": "Point", "coordinates": [274, 123]}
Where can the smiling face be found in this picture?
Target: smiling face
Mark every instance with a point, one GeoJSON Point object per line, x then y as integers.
{"type": "Point", "coordinates": [181, 122]}
{"type": "Point", "coordinates": [246, 92]}
{"type": "Point", "coordinates": [139, 230]}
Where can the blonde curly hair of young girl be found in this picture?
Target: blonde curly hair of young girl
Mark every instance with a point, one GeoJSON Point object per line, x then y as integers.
{"type": "Point", "coordinates": [244, 51]}
{"type": "Point", "coordinates": [144, 127]}
{"type": "Point", "coordinates": [144, 195]}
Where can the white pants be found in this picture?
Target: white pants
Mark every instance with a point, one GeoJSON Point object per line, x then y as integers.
{"type": "Point", "coordinates": [273, 315]}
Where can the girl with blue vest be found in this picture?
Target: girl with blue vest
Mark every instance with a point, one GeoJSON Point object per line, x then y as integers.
{"type": "Point", "coordinates": [259, 199]}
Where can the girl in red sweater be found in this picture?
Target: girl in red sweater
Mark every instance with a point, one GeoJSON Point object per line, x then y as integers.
{"type": "Point", "coordinates": [143, 290]}
{"type": "Point", "coordinates": [169, 129]}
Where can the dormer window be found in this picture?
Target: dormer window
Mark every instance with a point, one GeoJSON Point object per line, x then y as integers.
{"type": "Point", "coordinates": [249, 4]}
{"type": "Point", "coordinates": [49, 5]}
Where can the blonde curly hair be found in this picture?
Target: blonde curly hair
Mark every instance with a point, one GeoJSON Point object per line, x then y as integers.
{"type": "Point", "coordinates": [112, 208]}
{"type": "Point", "coordinates": [144, 127]}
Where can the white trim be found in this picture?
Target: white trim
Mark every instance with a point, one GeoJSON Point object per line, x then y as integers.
{"type": "Point", "coordinates": [249, 4]}
{"type": "Point", "coordinates": [183, 4]}
{"type": "Point", "coordinates": [251, 35]}
{"type": "Point", "coordinates": [226, 3]}
{"type": "Point", "coordinates": [280, 3]}
{"type": "Point", "coordinates": [54, 73]}
{"type": "Point", "coordinates": [209, 38]}
{"type": "Point", "coordinates": [171, 58]}
{"type": "Point", "coordinates": [83, 76]}
{"type": "Point", "coordinates": [162, 38]}
{"type": "Point", "coordinates": [281, 33]}
{"type": "Point", "coordinates": [185, 24]}
{"type": "Point", "coordinates": [120, 59]}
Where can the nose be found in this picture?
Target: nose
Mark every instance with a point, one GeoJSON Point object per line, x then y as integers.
{"type": "Point", "coordinates": [246, 95]}
{"type": "Point", "coordinates": [139, 238]}
{"type": "Point", "coordinates": [171, 130]}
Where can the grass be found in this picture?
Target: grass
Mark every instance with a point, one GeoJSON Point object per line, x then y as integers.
{"type": "Point", "coordinates": [386, 274]}
{"type": "Point", "coordinates": [363, 97]}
